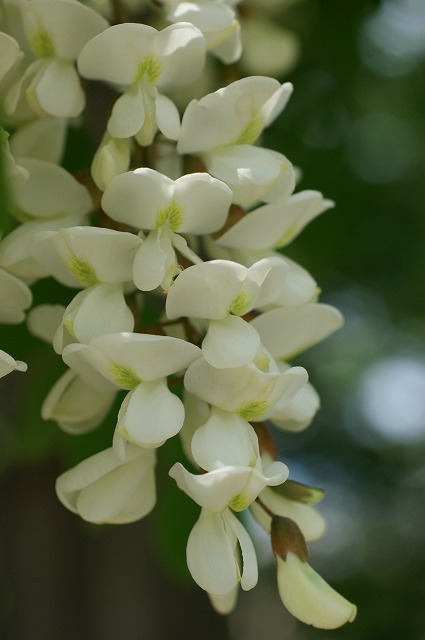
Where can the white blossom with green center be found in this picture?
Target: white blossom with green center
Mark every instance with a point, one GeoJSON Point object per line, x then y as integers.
{"type": "Point", "coordinates": [222, 127]}
{"type": "Point", "coordinates": [85, 256]}
{"type": "Point", "coordinates": [245, 391]}
{"type": "Point", "coordinates": [141, 62]}
{"type": "Point", "coordinates": [163, 209]}
{"type": "Point", "coordinates": [139, 363]}
{"type": "Point", "coordinates": [56, 32]}
{"type": "Point", "coordinates": [222, 292]}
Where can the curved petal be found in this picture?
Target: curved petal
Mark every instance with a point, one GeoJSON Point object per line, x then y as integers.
{"type": "Point", "coordinates": [287, 331]}
{"type": "Point", "coordinates": [230, 342]}
{"type": "Point", "coordinates": [308, 597]}
{"type": "Point", "coordinates": [211, 554]}
{"type": "Point", "coordinates": [128, 114]}
{"type": "Point", "coordinates": [152, 414]}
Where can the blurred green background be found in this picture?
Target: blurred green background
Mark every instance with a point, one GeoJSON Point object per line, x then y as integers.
{"type": "Point", "coordinates": [355, 126]}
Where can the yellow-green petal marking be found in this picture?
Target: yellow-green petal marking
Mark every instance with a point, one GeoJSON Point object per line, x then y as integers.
{"type": "Point", "coordinates": [43, 44]}
{"type": "Point", "coordinates": [83, 271]}
{"type": "Point", "coordinates": [124, 376]}
{"type": "Point", "coordinates": [172, 216]}
{"type": "Point", "coordinates": [148, 68]}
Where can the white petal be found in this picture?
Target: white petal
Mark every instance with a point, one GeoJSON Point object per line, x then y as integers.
{"type": "Point", "coordinates": [68, 24]}
{"type": "Point", "coordinates": [128, 114]}
{"type": "Point", "coordinates": [205, 201]}
{"type": "Point", "coordinates": [135, 197]}
{"type": "Point", "coordinates": [167, 117]}
{"type": "Point", "coordinates": [205, 290]}
{"type": "Point", "coordinates": [76, 407]}
{"type": "Point", "coordinates": [230, 342]}
{"type": "Point", "coordinates": [211, 554]}
{"type": "Point", "coordinates": [9, 53]}
{"type": "Point", "coordinates": [98, 311]}
{"type": "Point", "coordinates": [249, 575]}
{"type": "Point", "coordinates": [150, 263]}
{"type": "Point", "coordinates": [152, 415]}
{"type": "Point", "coordinates": [308, 597]}
{"type": "Point", "coordinates": [144, 356]}
{"type": "Point", "coordinates": [249, 171]}
{"type": "Point", "coordinates": [225, 439]}
{"type": "Point", "coordinates": [43, 139]}
{"type": "Point", "coordinates": [9, 364]}
{"type": "Point", "coordinates": [50, 191]}
{"type": "Point", "coordinates": [115, 54]}
{"type": "Point", "coordinates": [181, 49]}
{"type": "Point", "coordinates": [57, 90]}
{"type": "Point", "coordinates": [289, 330]}
{"type": "Point", "coordinates": [15, 298]}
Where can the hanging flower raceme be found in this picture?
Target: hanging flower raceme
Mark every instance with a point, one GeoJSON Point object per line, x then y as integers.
{"type": "Point", "coordinates": [184, 305]}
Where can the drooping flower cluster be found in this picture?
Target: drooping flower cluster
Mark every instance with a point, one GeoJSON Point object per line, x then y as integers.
{"type": "Point", "coordinates": [183, 209]}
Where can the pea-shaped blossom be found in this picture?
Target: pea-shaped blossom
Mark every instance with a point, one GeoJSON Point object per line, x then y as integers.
{"type": "Point", "coordinates": [107, 489]}
{"type": "Point", "coordinates": [234, 478]}
{"type": "Point", "coordinates": [141, 61]}
{"type": "Point", "coordinates": [86, 256]}
{"type": "Point", "coordinates": [139, 363]}
{"type": "Point", "coordinates": [303, 591]}
{"type": "Point", "coordinates": [56, 31]}
{"type": "Point", "coordinates": [146, 199]}
{"type": "Point", "coordinates": [218, 23]}
{"type": "Point", "coordinates": [222, 291]}
{"type": "Point", "coordinates": [222, 127]}
{"type": "Point", "coordinates": [247, 391]}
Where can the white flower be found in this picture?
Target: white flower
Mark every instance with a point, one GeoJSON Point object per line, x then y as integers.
{"type": "Point", "coordinates": [141, 60]}
{"type": "Point", "coordinates": [93, 312]}
{"type": "Point", "coordinates": [308, 597]}
{"type": "Point", "coordinates": [76, 406]}
{"type": "Point", "coordinates": [85, 256]}
{"type": "Point", "coordinates": [213, 557]}
{"type": "Point", "coordinates": [223, 291]}
{"type": "Point", "coordinates": [247, 391]}
{"type": "Point", "coordinates": [218, 23]}
{"type": "Point", "coordinates": [56, 31]}
{"type": "Point", "coordinates": [107, 489]}
{"type": "Point", "coordinates": [221, 128]}
{"type": "Point", "coordinates": [140, 363]}
{"type": "Point", "coordinates": [148, 200]}
{"type": "Point", "coordinates": [9, 364]}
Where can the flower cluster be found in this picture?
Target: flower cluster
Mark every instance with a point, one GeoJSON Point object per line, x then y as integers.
{"type": "Point", "coordinates": [183, 210]}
